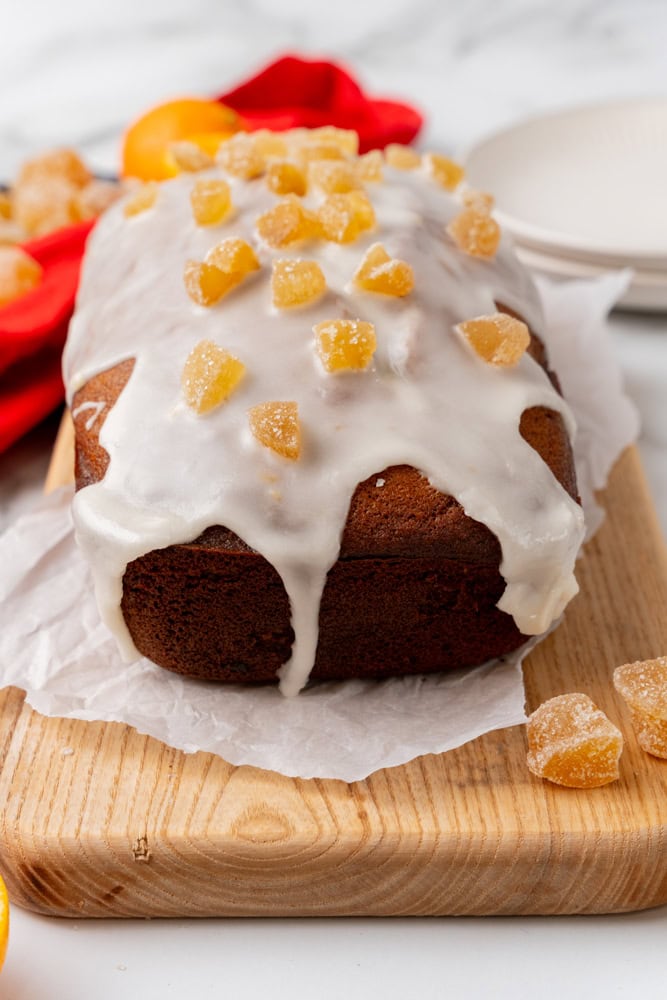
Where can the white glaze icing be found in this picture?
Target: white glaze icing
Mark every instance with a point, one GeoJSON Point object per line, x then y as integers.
{"type": "Point", "coordinates": [426, 401]}
{"type": "Point", "coordinates": [95, 408]}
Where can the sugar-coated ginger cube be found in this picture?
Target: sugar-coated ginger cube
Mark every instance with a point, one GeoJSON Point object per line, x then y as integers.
{"type": "Point", "coordinates": [205, 283]}
{"type": "Point", "coordinates": [643, 685]}
{"type": "Point", "coordinates": [64, 164]}
{"type": "Point", "coordinates": [41, 206]}
{"type": "Point", "coordinates": [141, 199]}
{"type": "Point", "coordinates": [19, 274]}
{"type": "Point", "coordinates": [344, 217]}
{"type": "Point", "coordinates": [345, 344]}
{"type": "Point", "coordinates": [211, 201]}
{"type": "Point", "coordinates": [401, 157]}
{"type": "Point", "coordinates": [481, 201]}
{"type": "Point", "coordinates": [276, 426]}
{"type": "Point", "coordinates": [346, 139]}
{"type": "Point", "coordinates": [333, 176]}
{"type": "Point", "coordinates": [498, 339]}
{"type": "Point", "coordinates": [319, 151]}
{"type": "Point", "coordinates": [287, 222]}
{"type": "Point", "coordinates": [572, 743]}
{"type": "Point", "coordinates": [240, 157]}
{"type": "Point", "coordinates": [369, 166]}
{"type": "Point", "coordinates": [234, 256]}
{"type": "Point", "coordinates": [269, 143]}
{"type": "Point", "coordinates": [188, 157]}
{"type": "Point", "coordinates": [444, 171]}
{"type": "Point", "coordinates": [209, 376]}
{"type": "Point", "coordinates": [283, 177]}
{"type": "Point", "coordinates": [475, 232]}
{"type": "Point", "coordinates": [296, 283]}
{"type": "Point", "coordinates": [378, 272]}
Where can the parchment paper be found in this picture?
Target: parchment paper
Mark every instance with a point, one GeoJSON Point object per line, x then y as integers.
{"type": "Point", "coordinates": [53, 645]}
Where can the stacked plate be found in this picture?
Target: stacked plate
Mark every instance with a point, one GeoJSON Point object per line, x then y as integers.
{"type": "Point", "coordinates": [584, 192]}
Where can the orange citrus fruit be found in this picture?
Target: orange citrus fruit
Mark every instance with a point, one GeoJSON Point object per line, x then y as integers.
{"type": "Point", "coordinates": [146, 142]}
{"type": "Point", "coordinates": [4, 921]}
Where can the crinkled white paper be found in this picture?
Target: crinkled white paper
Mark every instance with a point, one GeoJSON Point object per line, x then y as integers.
{"type": "Point", "coordinates": [53, 645]}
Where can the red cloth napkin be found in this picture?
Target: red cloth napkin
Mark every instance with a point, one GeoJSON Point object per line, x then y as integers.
{"type": "Point", "coordinates": [291, 92]}
{"type": "Point", "coordinates": [288, 93]}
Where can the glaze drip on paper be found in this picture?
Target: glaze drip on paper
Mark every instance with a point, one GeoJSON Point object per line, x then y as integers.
{"type": "Point", "coordinates": [426, 401]}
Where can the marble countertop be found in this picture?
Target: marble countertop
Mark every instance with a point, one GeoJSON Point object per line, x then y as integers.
{"type": "Point", "coordinates": [75, 73]}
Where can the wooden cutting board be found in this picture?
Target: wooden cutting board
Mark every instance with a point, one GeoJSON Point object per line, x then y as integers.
{"type": "Point", "coordinates": [125, 826]}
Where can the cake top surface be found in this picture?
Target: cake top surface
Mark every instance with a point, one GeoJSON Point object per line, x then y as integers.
{"type": "Point", "coordinates": [302, 318]}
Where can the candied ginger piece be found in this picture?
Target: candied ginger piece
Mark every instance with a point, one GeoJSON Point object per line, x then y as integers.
{"type": "Point", "coordinates": [369, 166]}
{"type": "Point", "coordinates": [19, 274]}
{"type": "Point", "coordinates": [240, 157]}
{"type": "Point", "coordinates": [41, 206]}
{"type": "Point", "coordinates": [345, 344]}
{"type": "Point", "coordinates": [378, 272]}
{"type": "Point", "coordinates": [343, 217]}
{"type": "Point", "coordinates": [269, 143]}
{"type": "Point", "coordinates": [481, 201]}
{"type": "Point", "coordinates": [296, 283]}
{"type": "Point", "coordinates": [572, 743]}
{"type": "Point", "coordinates": [188, 157]}
{"type": "Point", "coordinates": [444, 171]}
{"type": "Point", "coordinates": [319, 151]}
{"type": "Point", "coordinates": [346, 139]}
{"type": "Point", "coordinates": [276, 426]}
{"type": "Point", "coordinates": [499, 339]}
{"type": "Point", "coordinates": [287, 222]}
{"type": "Point", "coordinates": [233, 256]}
{"type": "Point", "coordinates": [141, 199]}
{"type": "Point", "coordinates": [211, 201]}
{"type": "Point", "coordinates": [401, 157]}
{"type": "Point", "coordinates": [475, 232]}
{"type": "Point", "coordinates": [643, 685]}
{"type": "Point", "coordinates": [284, 177]}
{"type": "Point", "coordinates": [209, 376]}
{"type": "Point", "coordinates": [205, 283]}
{"type": "Point", "coordinates": [64, 164]}
{"type": "Point", "coordinates": [333, 176]}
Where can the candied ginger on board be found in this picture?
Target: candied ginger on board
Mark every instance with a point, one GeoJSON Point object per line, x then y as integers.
{"type": "Point", "coordinates": [209, 376]}
{"type": "Point", "coordinates": [345, 344]}
{"type": "Point", "coordinates": [344, 217]}
{"type": "Point", "coordinates": [475, 232]}
{"type": "Point", "coordinates": [401, 157]}
{"type": "Point", "coordinates": [378, 272]}
{"type": "Point", "coordinates": [287, 222]}
{"type": "Point", "coordinates": [572, 743]}
{"type": "Point", "coordinates": [19, 274]}
{"type": "Point", "coordinates": [643, 685]}
{"type": "Point", "coordinates": [284, 177]}
{"type": "Point", "coordinates": [499, 339]}
{"type": "Point", "coordinates": [276, 426]}
{"type": "Point", "coordinates": [296, 283]}
{"type": "Point", "coordinates": [211, 201]}
{"type": "Point", "coordinates": [444, 171]}
{"type": "Point", "coordinates": [141, 199]}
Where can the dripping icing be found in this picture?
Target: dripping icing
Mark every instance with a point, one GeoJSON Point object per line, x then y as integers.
{"type": "Point", "coordinates": [426, 401]}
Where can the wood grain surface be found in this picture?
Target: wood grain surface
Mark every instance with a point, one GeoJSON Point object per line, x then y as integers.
{"type": "Point", "coordinates": [125, 826]}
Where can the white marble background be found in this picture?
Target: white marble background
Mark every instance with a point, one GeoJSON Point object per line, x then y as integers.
{"type": "Point", "coordinates": [75, 72]}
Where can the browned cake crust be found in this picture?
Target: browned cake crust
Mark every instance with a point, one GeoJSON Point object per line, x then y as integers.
{"type": "Point", "coordinates": [414, 589]}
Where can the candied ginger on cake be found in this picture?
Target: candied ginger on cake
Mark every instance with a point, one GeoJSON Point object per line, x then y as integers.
{"type": "Point", "coordinates": [572, 743]}
{"type": "Point", "coordinates": [276, 426]}
{"type": "Point", "coordinates": [500, 339]}
{"type": "Point", "coordinates": [296, 283]}
{"type": "Point", "coordinates": [210, 375]}
{"type": "Point", "coordinates": [475, 232]}
{"type": "Point", "coordinates": [188, 157]}
{"type": "Point", "coordinates": [19, 274]}
{"type": "Point", "coordinates": [481, 201]}
{"type": "Point", "coordinates": [378, 272]}
{"type": "Point", "coordinates": [234, 256]}
{"type": "Point", "coordinates": [344, 217]}
{"type": "Point", "coordinates": [369, 166]}
{"type": "Point", "coordinates": [444, 171]}
{"type": "Point", "coordinates": [333, 176]}
{"type": "Point", "coordinates": [347, 140]}
{"type": "Point", "coordinates": [643, 685]}
{"type": "Point", "coordinates": [287, 222]}
{"type": "Point", "coordinates": [211, 201]}
{"type": "Point", "coordinates": [240, 157]}
{"type": "Point", "coordinates": [345, 344]}
{"type": "Point", "coordinates": [401, 157]}
{"type": "Point", "coordinates": [141, 199]}
{"type": "Point", "coordinates": [283, 177]}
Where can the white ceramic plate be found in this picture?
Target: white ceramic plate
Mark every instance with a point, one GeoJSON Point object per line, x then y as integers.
{"type": "Point", "coordinates": [590, 183]}
{"type": "Point", "coordinates": [647, 291]}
